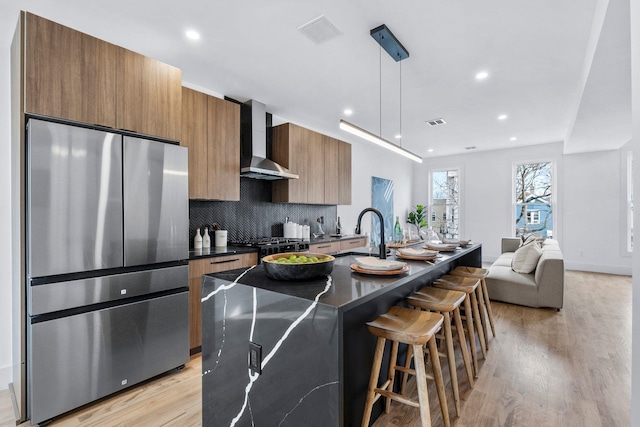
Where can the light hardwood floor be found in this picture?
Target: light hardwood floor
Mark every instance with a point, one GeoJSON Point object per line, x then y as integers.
{"type": "Point", "coordinates": [545, 368]}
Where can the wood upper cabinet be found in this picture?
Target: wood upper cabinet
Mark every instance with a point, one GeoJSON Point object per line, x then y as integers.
{"type": "Point", "coordinates": [344, 173]}
{"type": "Point", "coordinates": [290, 151]}
{"type": "Point", "coordinates": [223, 149]}
{"type": "Point", "coordinates": [332, 170]}
{"type": "Point", "coordinates": [211, 130]}
{"type": "Point", "coordinates": [198, 268]}
{"type": "Point", "coordinates": [323, 164]}
{"type": "Point", "coordinates": [194, 136]}
{"type": "Point", "coordinates": [68, 74]}
{"type": "Point", "coordinates": [148, 96]}
{"type": "Point", "coordinates": [71, 75]}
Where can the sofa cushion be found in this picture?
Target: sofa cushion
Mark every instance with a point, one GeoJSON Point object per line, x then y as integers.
{"type": "Point", "coordinates": [525, 258]}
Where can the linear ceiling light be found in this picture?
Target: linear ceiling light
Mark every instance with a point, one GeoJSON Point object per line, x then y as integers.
{"type": "Point", "coordinates": [346, 126]}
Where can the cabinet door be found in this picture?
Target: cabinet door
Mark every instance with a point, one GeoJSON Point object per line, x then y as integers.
{"type": "Point", "coordinates": [223, 158]}
{"type": "Point", "coordinates": [68, 74]}
{"type": "Point", "coordinates": [325, 248]}
{"type": "Point", "coordinates": [353, 243]}
{"type": "Point", "coordinates": [315, 166]}
{"type": "Point", "coordinates": [344, 173]}
{"type": "Point", "coordinates": [194, 136]}
{"type": "Point", "coordinates": [290, 152]}
{"type": "Point", "coordinates": [197, 269]}
{"type": "Point", "coordinates": [148, 96]}
{"type": "Point", "coordinates": [332, 168]}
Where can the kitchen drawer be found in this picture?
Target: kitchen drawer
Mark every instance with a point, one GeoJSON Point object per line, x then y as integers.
{"type": "Point", "coordinates": [198, 268]}
{"type": "Point", "coordinates": [325, 248]}
{"type": "Point", "coordinates": [345, 245]}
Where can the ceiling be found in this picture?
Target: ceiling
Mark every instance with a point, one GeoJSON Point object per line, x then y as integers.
{"type": "Point", "coordinates": [560, 71]}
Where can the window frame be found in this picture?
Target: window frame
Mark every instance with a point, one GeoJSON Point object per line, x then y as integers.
{"type": "Point", "coordinates": [459, 205]}
{"type": "Point", "coordinates": [554, 193]}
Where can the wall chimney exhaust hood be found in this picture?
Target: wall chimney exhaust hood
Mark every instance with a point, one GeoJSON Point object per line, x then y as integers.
{"type": "Point", "coordinates": [253, 159]}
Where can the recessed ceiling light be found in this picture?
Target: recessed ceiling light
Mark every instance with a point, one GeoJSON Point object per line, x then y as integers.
{"type": "Point", "coordinates": [430, 150]}
{"type": "Point", "coordinates": [193, 35]}
{"type": "Point", "coordinates": [482, 75]}
{"type": "Point", "coordinates": [502, 117]}
{"type": "Point", "coordinates": [348, 112]}
{"type": "Point", "coordinates": [398, 136]}
{"type": "Point", "coordinates": [513, 138]}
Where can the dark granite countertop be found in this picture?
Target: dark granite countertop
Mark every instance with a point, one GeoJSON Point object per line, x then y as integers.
{"type": "Point", "coordinates": [348, 288]}
{"type": "Point", "coordinates": [222, 251]}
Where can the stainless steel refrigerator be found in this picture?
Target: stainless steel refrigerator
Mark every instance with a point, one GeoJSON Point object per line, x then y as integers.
{"type": "Point", "coordinates": [107, 273]}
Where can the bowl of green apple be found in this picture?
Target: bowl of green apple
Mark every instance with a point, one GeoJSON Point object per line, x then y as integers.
{"type": "Point", "coordinates": [292, 266]}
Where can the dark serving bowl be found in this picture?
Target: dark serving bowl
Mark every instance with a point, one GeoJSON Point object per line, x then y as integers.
{"type": "Point", "coordinates": [290, 272]}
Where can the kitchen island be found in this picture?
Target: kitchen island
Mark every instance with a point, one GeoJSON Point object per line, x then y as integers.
{"type": "Point", "coordinates": [299, 353]}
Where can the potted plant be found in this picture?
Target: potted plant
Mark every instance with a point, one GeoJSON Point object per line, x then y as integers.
{"type": "Point", "coordinates": [417, 218]}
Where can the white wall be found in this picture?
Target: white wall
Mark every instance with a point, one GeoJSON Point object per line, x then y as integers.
{"type": "Point", "coordinates": [369, 160]}
{"type": "Point", "coordinates": [5, 217]}
{"type": "Point", "coordinates": [486, 192]}
{"type": "Point", "coordinates": [586, 185]}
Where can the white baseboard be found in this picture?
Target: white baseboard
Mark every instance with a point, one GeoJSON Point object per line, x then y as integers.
{"type": "Point", "coordinates": [599, 268]}
{"type": "Point", "coordinates": [6, 377]}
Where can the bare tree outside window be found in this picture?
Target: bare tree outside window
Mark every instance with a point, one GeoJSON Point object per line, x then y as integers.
{"type": "Point", "coordinates": [445, 208]}
{"type": "Point", "coordinates": [533, 199]}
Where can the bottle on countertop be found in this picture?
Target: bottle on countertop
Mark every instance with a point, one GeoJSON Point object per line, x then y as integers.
{"type": "Point", "coordinates": [206, 239]}
{"type": "Point", "coordinates": [197, 240]}
{"type": "Point", "coordinates": [397, 231]}
{"type": "Point", "coordinates": [338, 227]}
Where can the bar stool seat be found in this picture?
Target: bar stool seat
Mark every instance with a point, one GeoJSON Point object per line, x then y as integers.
{"type": "Point", "coordinates": [414, 328]}
{"type": "Point", "coordinates": [445, 302]}
{"type": "Point", "coordinates": [468, 285]}
{"type": "Point", "coordinates": [480, 273]}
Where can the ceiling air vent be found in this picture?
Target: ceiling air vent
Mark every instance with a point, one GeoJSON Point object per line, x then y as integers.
{"type": "Point", "coordinates": [319, 30]}
{"type": "Point", "coordinates": [436, 122]}
{"type": "Point", "coordinates": [472, 147]}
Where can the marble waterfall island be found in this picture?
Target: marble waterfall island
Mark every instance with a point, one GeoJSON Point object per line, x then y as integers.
{"type": "Point", "coordinates": [280, 353]}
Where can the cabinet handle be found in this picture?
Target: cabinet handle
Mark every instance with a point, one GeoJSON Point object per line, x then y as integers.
{"type": "Point", "coordinates": [225, 261]}
{"type": "Point", "coordinates": [325, 246]}
{"type": "Point", "coordinates": [354, 242]}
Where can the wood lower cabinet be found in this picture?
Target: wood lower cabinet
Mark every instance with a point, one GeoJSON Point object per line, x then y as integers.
{"type": "Point", "coordinates": [198, 268]}
{"type": "Point", "coordinates": [323, 164]}
{"type": "Point", "coordinates": [68, 74]}
{"type": "Point", "coordinates": [211, 130]}
{"type": "Point", "coordinates": [148, 96]}
{"type": "Point", "coordinates": [360, 242]}
{"type": "Point", "coordinates": [325, 248]}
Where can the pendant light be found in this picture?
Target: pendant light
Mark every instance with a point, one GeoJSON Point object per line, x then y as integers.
{"type": "Point", "coordinates": [394, 48]}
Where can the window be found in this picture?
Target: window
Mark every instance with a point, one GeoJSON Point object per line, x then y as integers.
{"type": "Point", "coordinates": [629, 201]}
{"type": "Point", "coordinates": [533, 217]}
{"type": "Point", "coordinates": [445, 203]}
{"type": "Point", "coordinates": [534, 199]}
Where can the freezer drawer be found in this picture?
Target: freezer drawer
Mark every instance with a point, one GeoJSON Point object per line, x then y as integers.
{"type": "Point", "coordinates": [74, 199]}
{"type": "Point", "coordinates": [51, 297]}
{"type": "Point", "coordinates": [77, 359]}
{"type": "Point", "coordinates": [156, 202]}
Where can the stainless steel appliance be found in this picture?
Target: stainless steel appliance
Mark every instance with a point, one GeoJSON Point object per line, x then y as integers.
{"type": "Point", "coordinates": [107, 270]}
{"type": "Point", "coordinates": [273, 245]}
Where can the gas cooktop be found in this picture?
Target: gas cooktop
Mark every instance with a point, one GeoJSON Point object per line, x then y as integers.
{"type": "Point", "coordinates": [274, 245]}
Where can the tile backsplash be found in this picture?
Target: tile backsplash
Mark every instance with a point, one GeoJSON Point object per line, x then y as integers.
{"type": "Point", "coordinates": [255, 215]}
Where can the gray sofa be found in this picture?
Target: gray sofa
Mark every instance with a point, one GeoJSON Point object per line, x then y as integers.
{"type": "Point", "coordinates": [542, 288]}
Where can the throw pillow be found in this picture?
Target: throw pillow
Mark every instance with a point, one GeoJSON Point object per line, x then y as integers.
{"type": "Point", "coordinates": [525, 259]}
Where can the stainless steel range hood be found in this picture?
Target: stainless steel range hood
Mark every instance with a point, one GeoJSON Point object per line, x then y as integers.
{"type": "Point", "coordinates": [253, 160]}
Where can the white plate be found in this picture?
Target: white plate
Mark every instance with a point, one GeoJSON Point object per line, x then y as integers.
{"type": "Point", "coordinates": [373, 263]}
{"type": "Point", "coordinates": [417, 252]}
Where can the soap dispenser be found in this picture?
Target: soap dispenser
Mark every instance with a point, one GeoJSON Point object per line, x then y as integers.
{"type": "Point", "coordinates": [206, 239]}
{"type": "Point", "coordinates": [197, 240]}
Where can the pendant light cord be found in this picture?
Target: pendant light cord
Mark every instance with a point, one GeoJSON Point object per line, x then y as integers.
{"type": "Point", "coordinates": [400, 103]}
{"type": "Point", "coordinates": [380, 83]}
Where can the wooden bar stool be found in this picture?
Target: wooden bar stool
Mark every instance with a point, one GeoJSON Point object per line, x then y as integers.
{"type": "Point", "coordinates": [480, 273]}
{"type": "Point", "coordinates": [414, 328]}
{"type": "Point", "coordinates": [445, 302]}
{"type": "Point", "coordinates": [468, 285]}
